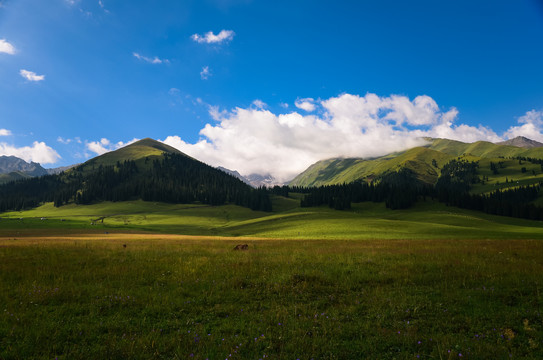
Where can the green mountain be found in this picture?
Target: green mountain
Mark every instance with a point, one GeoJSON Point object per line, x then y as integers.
{"type": "Point", "coordinates": [426, 163]}
{"type": "Point", "coordinates": [146, 170]}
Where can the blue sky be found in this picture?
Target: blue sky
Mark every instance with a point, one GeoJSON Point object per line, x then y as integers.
{"type": "Point", "coordinates": [265, 86]}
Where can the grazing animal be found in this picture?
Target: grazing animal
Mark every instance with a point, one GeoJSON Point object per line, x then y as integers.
{"type": "Point", "coordinates": [241, 247]}
{"type": "Point", "coordinates": [124, 245]}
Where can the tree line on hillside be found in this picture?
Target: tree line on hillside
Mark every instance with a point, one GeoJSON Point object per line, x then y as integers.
{"type": "Point", "coordinates": [402, 189]}
{"type": "Point", "coordinates": [399, 190]}
{"type": "Point", "coordinates": [457, 178]}
{"type": "Point", "coordinates": [173, 178]}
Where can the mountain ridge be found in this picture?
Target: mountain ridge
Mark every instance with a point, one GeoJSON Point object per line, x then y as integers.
{"type": "Point", "coordinates": [424, 161]}
{"type": "Point", "coordinates": [9, 164]}
{"type": "Point", "coordinates": [521, 141]}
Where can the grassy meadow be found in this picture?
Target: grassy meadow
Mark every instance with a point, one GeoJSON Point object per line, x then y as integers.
{"type": "Point", "coordinates": [426, 220]}
{"type": "Point", "coordinates": [432, 283]}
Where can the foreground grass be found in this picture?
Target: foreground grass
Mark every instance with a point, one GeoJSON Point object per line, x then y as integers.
{"type": "Point", "coordinates": [76, 297]}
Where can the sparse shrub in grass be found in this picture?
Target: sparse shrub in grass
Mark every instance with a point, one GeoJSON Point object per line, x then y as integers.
{"type": "Point", "coordinates": [385, 299]}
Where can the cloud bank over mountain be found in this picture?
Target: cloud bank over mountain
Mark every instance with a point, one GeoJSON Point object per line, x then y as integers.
{"type": "Point", "coordinates": [531, 126]}
{"type": "Point", "coordinates": [257, 140]}
{"type": "Point", "coordinates": [39, 152]}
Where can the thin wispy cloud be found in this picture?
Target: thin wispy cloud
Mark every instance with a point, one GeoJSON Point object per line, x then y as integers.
{"type": "Point", "coordinates": [205, 73]}
{"type": "Point", "coordinates": [102, 6]}
{"type": "Point", "coordinates": [104, 145]}
{"type": "Point", "coordinates": [259, 104]}
{"type": "Point", "coordinates": [31, 75]}
{"type": "Point", "coordinates": [210, 38]}
{"type": "Point", "coordinates": [6, 47]}
{"type": "Point", "coordinates": [61, 140]}
{"type": "Point", "coordinates": [64, 141]}
{"type": "Point", "coordinates": [5, 132]}
{"type": "Point", "coordinates": [154, 60]}
{"type": "Point", "coordinates": [307, 104]}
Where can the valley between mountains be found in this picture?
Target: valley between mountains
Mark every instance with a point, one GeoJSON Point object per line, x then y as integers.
{"type": "Point", "coordinates": [499, 179]}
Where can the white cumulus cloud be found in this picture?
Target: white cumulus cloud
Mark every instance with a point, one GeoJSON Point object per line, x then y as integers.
{"type": "Point", "coordinates": [531, 126]}
{"type": "Point", "coordinates": [39, 152]}
{"type": "Point", "coordinates": [257, 140]}
{"type": "Point", "coordinates": [104, 145]}
{"type": "Point", "coordinates": [6, 47]}
{"type": "Point", "coordinates": [5, 132]}
{"type": "Point", "coordinates": [154, 60]}
{"type": "Point", "coordinates": [210, 38]}
{"type": "Point", "coordinates": [31, 75]}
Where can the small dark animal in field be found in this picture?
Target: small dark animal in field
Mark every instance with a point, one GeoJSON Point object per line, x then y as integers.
{"type": "Point", "coordinates": [124, 246]}
{"type": "Point", "coordinates": [241, 247]}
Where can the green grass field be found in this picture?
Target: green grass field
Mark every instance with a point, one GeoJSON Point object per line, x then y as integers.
{"type": "Point", "coordinates": [427, 220]}
{"type": "Point", "coordinates": [168, 298]}
{"type": "Point", "coordinates": [431, 282]}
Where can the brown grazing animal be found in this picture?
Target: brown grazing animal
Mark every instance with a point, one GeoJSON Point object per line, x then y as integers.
{"type": "Point", "coordinates": [242, 247]}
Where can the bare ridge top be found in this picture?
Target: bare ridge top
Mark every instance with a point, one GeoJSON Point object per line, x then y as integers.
{"type": "Point", "coordinates": [523, 142]}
